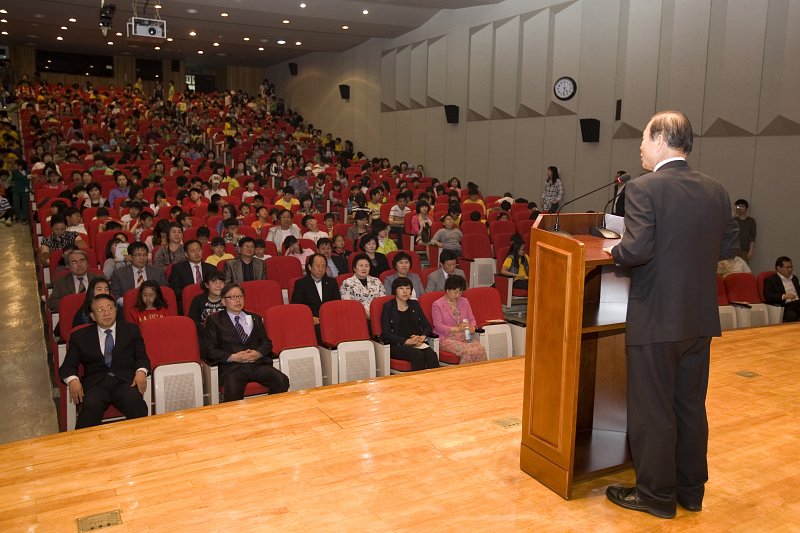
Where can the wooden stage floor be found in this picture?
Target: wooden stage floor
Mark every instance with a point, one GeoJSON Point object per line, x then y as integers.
{"type": "Point", "coordinates": [420, 453]}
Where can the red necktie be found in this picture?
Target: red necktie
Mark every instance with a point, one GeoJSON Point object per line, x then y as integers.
{"type": "Point", "coordinates": [198, 277]}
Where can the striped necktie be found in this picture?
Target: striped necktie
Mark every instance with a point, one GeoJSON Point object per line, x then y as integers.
{"type": "Point", "coordinates": [139, 278]}
{"type": "Point", "coordinates": [240, 330]}
{"type": "Point", "coordinates": [198, 277]}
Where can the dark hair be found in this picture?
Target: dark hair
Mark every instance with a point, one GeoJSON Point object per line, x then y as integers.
{"type": "Point", "coordinates": [288, 189]}
{"type": "Point", "coordinates": [160, 302]}
{"type": "Point", "coordinates": [377, 226]}
{"type": "Point", "coordinates": [676, 129]}
{"type": "Point", "coordinates": [420, 204]}
{"type": "Point", "coordinates": [307, 218]}
{"type": "Point", "coordinates": [311, 260]}
{"type": "Point", "coordinates": [472, 188]}
{"type": "Point", "coordinates": [113, 225]}
{"type": "Point", "coordinates": [361, 215]}
{"type": "Point", "coordinates": [189, 243]}
{"type": "Point", "coordinates": [455, 282]}
{"type": "Point", "coordinates": [400, 281]}
{"type": "Point", "coordinates": [517, 259]}
{"type": "Point", "coordinates": [58, 219]}
{"type": "Point", "coordinates": [245, 240]}
{"type": "Point", "coordinates": [203, 231]}
{"type": "Point", "coordinates": [102, 297]}
{"type": "Point", "coordinates": [781, 260]}
{"type": "Point", "coordinates": [289, 241]}
{"type": "Point", "coordinates": [259, 243]}
{"type": "Point", "coordinates": [399, 256]}
{"type": "Point", "coordinates": [447, 255]}
{"type": "Point", "coordinates": [229, 287]}
{"type": "Point", "coordinates": [475, 216]}
{"type": "Point", "coordinates": [323, 242]}
{"type": "Point", "coordinates": [230, 223]}
{"type": "Point", "coordinates": [217, 241]}
{"type": "Point", "coordinates": [87, 301]}
{"type": "Point", "coordinates": [109, 244]}
{"type": "Point", "coordinates": [554, 177]}
{"type": "Point", "coordinates": [212, 276]}
{"type": "Point", "coordinates": [365, 239]}
{"type": "Point", "coordinates": [135, 246]}
{"type": "Point", "coordinates": [358, 257]}
{"type": "Point", "coordinates": [742, 201]}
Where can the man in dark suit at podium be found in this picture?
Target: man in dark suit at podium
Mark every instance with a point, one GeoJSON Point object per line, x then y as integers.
{"type": "Point", "coordinates": [679, 224]}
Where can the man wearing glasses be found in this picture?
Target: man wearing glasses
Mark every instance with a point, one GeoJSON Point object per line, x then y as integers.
{"type": "Point", "coordinates": [132, 276]}
{"type": "Point", "coordinates": [77, 281]}
{"type": "Point", "coordinates": [237, 343]}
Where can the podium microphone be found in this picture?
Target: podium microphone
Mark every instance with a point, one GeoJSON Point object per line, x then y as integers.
{"type": "Point", "coordinates": [556, 227]}
{"type": "Point", "coordinates": [601, 230]}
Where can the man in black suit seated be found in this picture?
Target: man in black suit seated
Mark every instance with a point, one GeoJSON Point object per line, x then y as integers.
{"type": "Point", "coordinates": [115, 366]}
{"type": "Point", "coordinates": [132, 276]}
{"type": "Point", "coordinates": [237, 343]}
{"type": "Point", "coordinates": [315, 288]}
{"type": "Point", "coordinates": [185, 273]}
{"type": "Point", "coordinates": [77, 281]}
{"type": "Point", "coordinates": [336, 264]}
{"type": "Point", "coordinates": [782, 288]}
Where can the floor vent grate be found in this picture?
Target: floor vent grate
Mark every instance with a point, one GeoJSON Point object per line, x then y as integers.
{"type": "Point", "coordinates": [94, 522]}
{"type": "Point", "coordinates": [508, 422]}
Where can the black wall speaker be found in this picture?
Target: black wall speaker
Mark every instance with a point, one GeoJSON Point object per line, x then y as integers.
{"type": "Point", "coordinates": [344, 92]}
{"type": "Point", "coordinates": [293, 69]}
{"type": "Point", "coordinates": [590, 130]}
{"type": "Point", "coordinates": [176, 65]}
{"type": "Point", "coordinates": [618, 110]}
{"type": "Point", "coordinates": [451, 113]}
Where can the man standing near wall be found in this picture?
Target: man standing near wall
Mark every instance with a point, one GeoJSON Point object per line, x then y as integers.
{"type": "Point", "coordinates": [747, 230]}
{"type": "Point", "coordinates": [679, 223]}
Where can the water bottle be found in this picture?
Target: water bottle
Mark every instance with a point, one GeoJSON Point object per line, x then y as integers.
{"type": "Point", "coordinates": [467, 332]}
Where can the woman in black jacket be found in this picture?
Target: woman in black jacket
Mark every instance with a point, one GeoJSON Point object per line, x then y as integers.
{"type": "Point", "coordinates": [405, 328]}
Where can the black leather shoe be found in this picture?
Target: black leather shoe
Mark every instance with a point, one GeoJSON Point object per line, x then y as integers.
{"type": "Point", "coordinates": [628, 498]}
{"type": "Point", "coordinates": [693, 507]}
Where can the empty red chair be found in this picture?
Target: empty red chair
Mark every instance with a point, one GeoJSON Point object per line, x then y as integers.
{"type": "Point", "coordinates": [260, 295]}
{"type": "Point", "coordinates": [477, 260]}
{"type": "Point", "coordinates": [741, 289]}
{"type": "Point", "coordinates": [281, 269]}
{"type": "Point", "coordinates": [291, 329]}
{"type": "Point", "coordinates": [488, 311]}
{"type": "Point", "coordinates": [174, 354]}
{"type": "Point", "coordinates": [347, 352]}
{"type": "Point", "coordinates": [501, 226]}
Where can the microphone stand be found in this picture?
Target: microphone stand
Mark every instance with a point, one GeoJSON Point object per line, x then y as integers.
{"type": "Point", "coordinates": [556, 227]}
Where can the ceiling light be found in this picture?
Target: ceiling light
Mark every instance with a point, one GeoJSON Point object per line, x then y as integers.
{"type": "Point", "coordinates": [4, 21]}
{"type": "Point", "coordinates": [281, 42]}
{"type": "Point", "coordinates": [192, 10]}
{"type": "Point", "coordinates": [245, 38]}
{"type": "Point", "coordinates": [118, 34]}
{"type": "Point", "coordinates": [345, 27]}
{"type": "Point", "coordinates": [298, 43]}
{"type": "Point", "coordinates": [59, 38]}
{"type": "Point", "coordinates": [110, 43]}
{"type": "Point", "coordinates": [215, 44]}
{"type": "Point", "coordinates": [365, 12]}
{"type": "Point", "coordinates": [260, 48]}
{"type": "Point", "coordinates": [73, 19]}
{"type": "Point", "coordinates": [302, 6]}
{"type": "Point", "coordinates": [6, 33]}
{"type": "Point", "coordinates": [200, 52]}
{"type": "Point", "coordinates": [157, 6]}
{"type": "Point", "coordinates": [223, 14]}
{"type": "Point", "coordinates": [169, 39]}
{"type": "Point", "coordinates": [192, 33]}
{"type": "Point", "coordinates": [286, 21]}
{"type": "Point", "coordinates": [157, 47]}
{"type": "Point", "coordinates": [3, 11]}
{"type": "Point", "coordinates": [62, 27]}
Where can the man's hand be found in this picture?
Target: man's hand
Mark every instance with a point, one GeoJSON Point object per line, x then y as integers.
{"type": "Point", "coordinates": [76, 391]}
{"type": "Point", "coordinates": [140, 381]}
{"type": "Point", "coordinates": [790, 297]}
{"type": "Point", "coordinates": [607, 249]}
{"type": "Point", "coordinates": [316, 320]}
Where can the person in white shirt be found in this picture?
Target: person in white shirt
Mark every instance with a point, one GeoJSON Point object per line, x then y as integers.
{"type": "Point", "coordinates": [313, 232]}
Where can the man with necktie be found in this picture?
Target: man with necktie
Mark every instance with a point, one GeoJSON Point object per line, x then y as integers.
{"type": "Point", "coordinates": [115, 366]}
{"type": "Point", "coordinates": [237, 343]}
{"type": "Point", "coordinates": [193, 270]}
{"type": "Point", "coordinates": [76, 282]}
{"type": "Point", "coordinates": [132, 276]}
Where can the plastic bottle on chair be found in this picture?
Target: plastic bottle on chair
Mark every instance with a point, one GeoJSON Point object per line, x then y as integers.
{"type": "Point", "coordinates": [467, 332]}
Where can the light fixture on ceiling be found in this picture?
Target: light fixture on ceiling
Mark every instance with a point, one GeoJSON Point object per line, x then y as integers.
{"type": "Point", "coordinates": [157, 6]}
{"type": "Point", "coordinates": [59, 38]}
{"type": "Point", "coordinates": [200, 52]}
{"type": "Point", "coordinates": [215, 44]}
{"type": "Point", "coordinates": [303, 5]}
{"type": "Point", "coordinates": [281, 41]}
{"type": "Point", "coordinates": [260, 48]}
{"type": "Point", "coordinates": [62, 27]}
{"type": "Point", "coordinates": [286, 21]}
{"type": "Point", "coordinates": [157, 48]}
{"type": "Point", "coordinates": [170, 39]}
{"type": "Point", "coordinates": [365, 12]}
{"type": "Point", "coordinates": [298, 43]}
{"type": "Point", "coordinates": [223, 14]}
{"type": "Point", "coordinates": [3, 21]}
{"type": "Point", "coordinates": [345, 27]}
{"type": "Point", "coordinates": [6, 33]}
{"type": "Point", "coordinates": [110, 43]}
{"type": "Point", "coordinates": [3, 11]}
{"type": "Point", "coordinates": [192, 11]}
{"type": "Point", "coordinates": [118, 34]}
{"type": "Point", "coordinates": [192, 33]}
{"type": "Point", "coordinates": [245, 38]}
{"type": "Point", "coordinates": [73, 19]}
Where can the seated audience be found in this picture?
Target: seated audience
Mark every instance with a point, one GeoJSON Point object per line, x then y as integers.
{"type": "Point", "coordinates": [448, 262]}
{"type": "Point", "coordinates": [83, 316]}
{"type": "Point", "coordinates": [237, 343]}
{"type": "Point", "coordinates": [336, 264]}
{"type": "Point", "coordinates": [516, 263]}
{"type": "Point", "coordinates": [193, 270]}
{"type": "Point", "coordinates": [115, 375]}
{"type": "Point", "coordinates": [172, 252]}
{"type": "Point", "coordinates": [312, 231]}
{"type": "Point", "coordinates": [360, 226]}
{"type": "Point", "coordinates": [782, 288]}
{"type": "Point", "coordinates": [132, 276]}
{"type": "Point", "coordinates": [219, 253]}
{"type": "Point", "coordinates": [76, 282]}
{"type": "Point", "coordinates": [246, 267]}
{"type": "Point", "coordinates": [380, 229]}
{"type": "Point", "coordinates": [449, 237]}
{"type": "Point", "coordinates": [292, 248]}
{"type": "Point", "coordinates": [114, 260]}
{"type": "Point", "coordinates": [421, 223]}
{"type": "Point", "coordinates": [401, 262]}
{"type": "Point", "coordinates": [377, 261]}
{"type": "Point", "coordinates": [405, 328]}
{"type": "Point", "coordinates": [285, 228]}
{"type": "Point", "coordinates": [150, 303]}
{"type": "Point", "coordinates": [455, 324]}
{"type": "Point", "coordinates": [362, 287]}
{"type": "Point", "coordinates": [316, 288]}
{"type": "Point", "coordinates": [58, 239]}
{"type": "Point", "coordinates": [208, 303]}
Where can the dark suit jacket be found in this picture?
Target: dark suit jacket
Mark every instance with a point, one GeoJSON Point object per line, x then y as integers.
{"type": "Point", "coordinates": [124, 279]}
{"type": "Point", "coordinates": [305, 292]}
{"type": "Point", "coordinates": [84, 349]}
{"type": "Point", "coordinates": [341, 263]}
{"type": "Point", "coordinates": [390, 322]}
{"type": "Point", "coordinates": [183, 274]}
{"type": "Point", "coordinates": [679, 224]}
{"type": "Point", "coordinates": [774, 291]}
{"type": "Point", "coordinates": [220, 340]}
{"type": "Point", "coordinates": [66, 285]}
{"type": "Point", "coordinates": [618, 206]}
{"type": "Point", "coordinates": [233, 270]}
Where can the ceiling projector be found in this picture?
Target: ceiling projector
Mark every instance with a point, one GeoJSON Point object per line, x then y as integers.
{"type": "Point", "coordinates": [142, 29]}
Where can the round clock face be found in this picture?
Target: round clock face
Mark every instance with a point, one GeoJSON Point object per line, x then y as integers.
{"type": "Point", "coordinates": [565, 88]}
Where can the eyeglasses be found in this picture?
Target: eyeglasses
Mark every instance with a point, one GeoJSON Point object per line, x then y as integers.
{"type": "Point", "coordinates": [236, 297]}
{"type": "Point", "coordinates": [77, 261]}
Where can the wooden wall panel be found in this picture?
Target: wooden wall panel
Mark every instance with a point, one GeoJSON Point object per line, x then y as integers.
{"type": "Point", "coordinates": [388, 75]}
{"type": "Point", "coordinates": [533, 68]}
{"type": "Point", "coordinates": [402, 81]}
{"type": "Point", "coordinates": [505, 82]}
{"type": "Point", "coordinates": [419, 75]}
{"type": "Point", "coordinates": [779, 112]}
{"type": "Point", "coordinates": [480, 70]}
{"type": "Point", "coordinates": [437, 70]}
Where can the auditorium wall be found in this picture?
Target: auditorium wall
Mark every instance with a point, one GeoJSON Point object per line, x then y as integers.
{"type": "Point", "coordinates": [729, 64]}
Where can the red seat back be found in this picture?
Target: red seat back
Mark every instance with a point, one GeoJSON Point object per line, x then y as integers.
{"type": "Point", "coordinates": [722, 296]}
{"type": "Point", "coordinates": [426, 303]}
{"type": "Point", "coordinates": [190, 292]}
{"type": "Point", "coordinates": [260, 295]}
{"type": "Point", "coordinates": [741, 287]}
{"type": "Point", "coordinates": [486, 304]}
{"type": "Point", "coordinates": [375, 309]}
{"type": "Point", "coordinates": [475, 245]}
{"type": "Point", "coordinates": [342, 320]}
{"type": "Point", "coordinates": [283, 268]}
{"type": "Point", "coordinates": [68, 307]}
{"type": "Point", "coordinates": [501, 226]}
{"type": "Point", "coordinates": [171, 339]}
{"type": "Point", "coordinates": [290, 326]}
{"type": "Point", "coordinates": [760, 282]}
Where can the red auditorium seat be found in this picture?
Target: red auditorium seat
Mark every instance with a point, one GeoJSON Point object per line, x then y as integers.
{"type": "Point", "coordinates": [260, 295]}
{"type": "Point", "coordinates": [382, 350]}
{"type": "Point", "coordinates": [291, 329]}
{"type": "Point", "coordinates": [347, 352]}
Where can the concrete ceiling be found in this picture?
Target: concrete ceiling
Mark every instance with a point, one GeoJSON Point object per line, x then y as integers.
{"type": "Point", "coordinates": [317, 27]}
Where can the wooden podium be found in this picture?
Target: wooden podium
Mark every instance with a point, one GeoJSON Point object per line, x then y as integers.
{"type": "Point", "coordinates": [574, 410]}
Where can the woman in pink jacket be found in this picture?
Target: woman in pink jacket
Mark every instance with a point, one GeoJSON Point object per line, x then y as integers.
{"type": "Point", "coordinates": [452, 319]}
